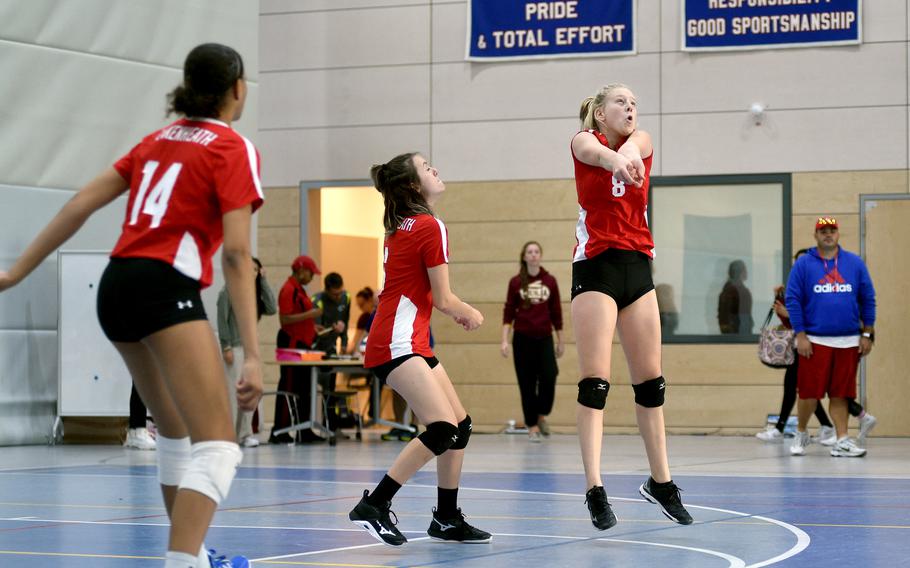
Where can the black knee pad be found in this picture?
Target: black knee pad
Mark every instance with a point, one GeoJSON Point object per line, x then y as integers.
{"type": "Point", "coordinates": [439, 437]}
{"type": "Point", "coordinates": [650, 394]}
{"type": "Point", "coordinates": [592, 392]}
{"type": "Point", "coordinates": [464, 434]}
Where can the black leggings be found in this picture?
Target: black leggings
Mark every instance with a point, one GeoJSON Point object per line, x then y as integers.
{"type": "Point", "coordinates": [786, 405]}
{"type": "Point", "coordinates": [137, 410]}
{"type": "Point", "coordinates": [535, 367]}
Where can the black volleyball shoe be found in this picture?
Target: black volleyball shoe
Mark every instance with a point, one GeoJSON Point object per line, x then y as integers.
{"type": "Point", "coordinates": [601, 512]}
{"type": "Point", "coordinates": [377, 521]}
{"type": "Point", "coordinates": [456, 529]}
{"type": "Point", "coordinates": [666, 496]}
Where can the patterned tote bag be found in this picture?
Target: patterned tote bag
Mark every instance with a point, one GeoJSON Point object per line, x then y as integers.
{"type": "Point", "coordinates": [775, 345]}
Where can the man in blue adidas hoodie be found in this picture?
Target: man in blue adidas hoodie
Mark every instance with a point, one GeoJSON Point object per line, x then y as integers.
{"type": "Point", "coordinates": [831, 302]}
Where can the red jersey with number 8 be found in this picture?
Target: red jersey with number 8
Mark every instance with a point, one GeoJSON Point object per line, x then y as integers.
{"type": "Point", "coordinates": [611, 214]}
{"type": "Point", "coordinates": [183, 179]}
{"type": "Point", "coordinates": [402, 323]}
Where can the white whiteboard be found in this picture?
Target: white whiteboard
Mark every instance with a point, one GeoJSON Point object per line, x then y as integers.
{"type": "Point", "coordinates": [93, 379]}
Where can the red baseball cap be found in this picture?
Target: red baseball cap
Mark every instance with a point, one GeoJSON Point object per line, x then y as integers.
{"type": "Point", "coordinates": [823, 222]}
{"type": "Point", "coordinates": [303, 261]}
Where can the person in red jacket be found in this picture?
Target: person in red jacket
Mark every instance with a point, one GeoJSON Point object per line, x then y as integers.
{"type": "Point", "coordinates": [531, 313]}
{"type": "Point", "coordinates": [297, 316]}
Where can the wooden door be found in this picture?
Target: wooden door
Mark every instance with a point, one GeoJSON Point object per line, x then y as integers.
{"type": "Point", "coordinates": [886, 241]}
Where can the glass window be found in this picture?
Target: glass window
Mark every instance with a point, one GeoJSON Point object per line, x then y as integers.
{"type": "Point", "coordinates": [722, 244]}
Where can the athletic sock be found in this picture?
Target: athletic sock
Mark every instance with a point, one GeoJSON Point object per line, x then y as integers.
{"type": "Point", "coordinates": [384, 492]}
{"type": "Point", "coordinates": [203, 558]}
{"type": "Point", "coordinates": [446, 502]}
{"type": "Point", "coordinates": [179, 560]}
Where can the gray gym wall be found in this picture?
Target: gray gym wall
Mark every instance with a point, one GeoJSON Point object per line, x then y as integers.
{"type": "Point", "coordinates": [84, 80]}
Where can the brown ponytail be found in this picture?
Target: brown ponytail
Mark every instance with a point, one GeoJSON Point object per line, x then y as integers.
{"type": "Point", "coordinates": [399, 185]}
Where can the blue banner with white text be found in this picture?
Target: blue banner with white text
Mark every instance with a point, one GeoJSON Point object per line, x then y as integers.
{"type": "Point", "coordinates": [767, 24]}
{"type": "Point", "coordinates": [521, 29]}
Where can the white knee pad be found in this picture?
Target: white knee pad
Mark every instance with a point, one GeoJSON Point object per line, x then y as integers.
{"type": "Point", "coordinates": [173, 459]}
{"type": "Point", "coordinates": [212, 468]}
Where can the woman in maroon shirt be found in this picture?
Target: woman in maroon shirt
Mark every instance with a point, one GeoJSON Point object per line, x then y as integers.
{"type": "Point", "coordinates": [532, 312]}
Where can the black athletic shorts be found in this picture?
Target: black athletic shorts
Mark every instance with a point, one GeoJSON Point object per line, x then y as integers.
{"type": "Point", "coordinates": [382, 371]}
{"type": "Point", "coordinates": [139, 296]}
{"type": "Point", "coordinates": [624, 275]}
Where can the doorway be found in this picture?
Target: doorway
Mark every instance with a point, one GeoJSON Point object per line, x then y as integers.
{"type": "Point", "coordinates": [342, 230]}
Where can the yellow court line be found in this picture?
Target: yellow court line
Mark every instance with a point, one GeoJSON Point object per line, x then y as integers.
{"type": "Point", "coordinates": [77, 555]}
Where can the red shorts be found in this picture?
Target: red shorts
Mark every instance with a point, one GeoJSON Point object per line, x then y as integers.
{"type": "Point", "coordinates": [830, 370]}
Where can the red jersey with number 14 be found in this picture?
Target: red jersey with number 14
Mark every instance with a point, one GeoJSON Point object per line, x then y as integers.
{"type": "Point", "coordinates": [611, 214]}
{"type": "Point", "coordinates": [183, 179]}
{"type": "Point", "coordinates": [402, 323]}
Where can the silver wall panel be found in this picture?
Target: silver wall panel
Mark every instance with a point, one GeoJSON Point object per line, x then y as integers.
{"type": "Point", "coordinates": [90, 80]}
{"type": "Point", "coordinates": [320, 154]}
{"type": "Point", "coordinates": [787, 141]}
{"type": "Point", "coordinates": [344, 97]}
{"type": "Point", "coordinates": [345, 38]}
{"type": "Point", "coordinates": [798, 78]}
{"type": "Point", "coordinates": [158, 33]}
{"type": "Point", "coordinates": [532, 89]}
{"type": "Point", "coordinates": [29, 402]}
{"type": "Point", "coordinates": [51, 140]}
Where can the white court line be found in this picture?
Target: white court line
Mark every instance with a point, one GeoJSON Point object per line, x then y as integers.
{"type": "Point", "coordinates": [802, 539]}
{"type": "Point", "coordinates": [343, 548]}
{"type": "Point", "coordinates": [733, 560]}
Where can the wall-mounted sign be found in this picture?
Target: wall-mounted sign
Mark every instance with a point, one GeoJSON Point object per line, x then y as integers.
{"type": "Point", "coordinates": [519, 29]}
{"type": "Point", "coordinates": [766, 24]}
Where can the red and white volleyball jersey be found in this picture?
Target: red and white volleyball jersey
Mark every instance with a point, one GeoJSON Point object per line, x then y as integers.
{"type": "Point", "coordinates": [611, 214]}
{"type": "Point", "coordinates": [402, 323]}
{"type": "Point", "coordinates": [183, 179]}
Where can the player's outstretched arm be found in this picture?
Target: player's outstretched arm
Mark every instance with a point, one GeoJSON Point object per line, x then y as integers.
{"type": "Point", "coordinates": [106, 187]}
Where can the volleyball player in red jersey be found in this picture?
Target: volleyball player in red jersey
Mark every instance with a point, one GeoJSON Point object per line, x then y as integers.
{"type": "Point", "coordinates": [192, 185]}
{"type": "Point", "coordinates": [398, 350]}
{"type": "Point", "coordinates": [612, 288]}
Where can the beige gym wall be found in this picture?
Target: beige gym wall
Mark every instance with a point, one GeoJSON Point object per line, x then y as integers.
{"type": "Point", "coordinates": [714, 388]}
{"type": "Point", "coordinates": [332, 104]}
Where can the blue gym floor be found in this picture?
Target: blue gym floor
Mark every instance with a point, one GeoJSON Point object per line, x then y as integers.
{"type": "Point", "coordinates": [100, 507]}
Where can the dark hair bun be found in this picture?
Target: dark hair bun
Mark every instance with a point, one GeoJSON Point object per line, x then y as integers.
{"type": "Point", "coordinates": [210, 70]}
